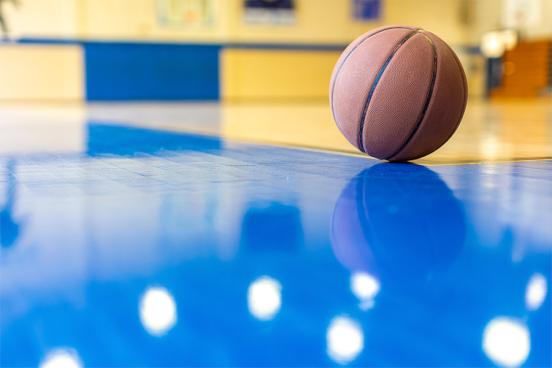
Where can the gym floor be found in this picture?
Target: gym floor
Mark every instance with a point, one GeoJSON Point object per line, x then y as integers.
{"type": "Point", "coordinates": [178, 234]}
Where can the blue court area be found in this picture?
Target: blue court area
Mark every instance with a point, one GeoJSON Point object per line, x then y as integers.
{"type": "Point", "coordinates": [162, 248]}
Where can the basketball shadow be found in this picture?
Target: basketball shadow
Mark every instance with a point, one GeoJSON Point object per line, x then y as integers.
{"type": "Point", "coordinates": [398, 222]}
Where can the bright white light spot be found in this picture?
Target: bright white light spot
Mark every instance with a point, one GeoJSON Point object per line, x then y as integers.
{"type": "Point", "coordinates": [492, 44]}
{"type": "Point", "coordinates": [344, 339]}
{"type": "Point", "coordinates": [365, 287]}
{"type": "Point", "coordinates": [536, 292]}
{"type": "Point", "coordinates": [157, 311]}
{"type": "Point", "coordinates": [61, 358]}
{"type": "Point", "coordinates": [506, 341]}
{"type": "Point", "coordinates": [264, 298]}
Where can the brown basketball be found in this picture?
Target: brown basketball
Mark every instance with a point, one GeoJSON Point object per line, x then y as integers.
{"type": "Point", "coordinates": [398, 93]}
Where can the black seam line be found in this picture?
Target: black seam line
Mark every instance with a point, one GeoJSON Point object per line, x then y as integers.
{"type": "Point", "coordinates": [360, 134]}
{"type": "Point", "coordinates": [464, 96]}
{"type": "Point", "coordinates": [427, 101]}
{"type": "Point", "coordinates": [464, 80]}
{"type": "Point", "coordinates": [346, 58]}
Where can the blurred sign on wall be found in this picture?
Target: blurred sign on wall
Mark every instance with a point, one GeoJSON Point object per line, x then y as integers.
{"type": "Point", "coordinates": [522, 14]}
{"type": "Point", "coordinates": [270, 11]}
{"type": "Point", "coordinates": [366, 10]}
{"type": "Point", "coordinates": [187, 13]}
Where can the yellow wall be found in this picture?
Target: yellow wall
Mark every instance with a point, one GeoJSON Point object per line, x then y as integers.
{"type": "Point", "coordinates": [330, 21]}
{"type": "Point", "coordinates": [45, 72]}
{"type": "Point", "coordinates": [276, 74]}
{"type": "Point", "coordinates": [137, 20]}
{"type": "Point", "coordinates": [42, 18]}
{"type": "Point", "coordinates": [317, 21]}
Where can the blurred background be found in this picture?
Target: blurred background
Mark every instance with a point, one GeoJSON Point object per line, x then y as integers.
{"type": "Point", "coordinates": [96, 212]}
{"type": "Point", "coordinates": [239, 50]}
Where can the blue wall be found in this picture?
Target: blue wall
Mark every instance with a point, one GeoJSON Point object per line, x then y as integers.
{"type": "Point", "coordinates": [139, 71]}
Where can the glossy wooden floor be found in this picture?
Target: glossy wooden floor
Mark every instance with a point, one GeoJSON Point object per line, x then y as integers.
{"type": "Point", "coordinates": [490, 131]}
{"type": "Point", "coordinates": [508, 130]}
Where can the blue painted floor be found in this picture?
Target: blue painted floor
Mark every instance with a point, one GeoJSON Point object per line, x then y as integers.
{"type": "Point", "coordinates": [167, 249]}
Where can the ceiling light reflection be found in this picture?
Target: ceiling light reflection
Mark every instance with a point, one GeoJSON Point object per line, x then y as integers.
{"type": "Point", "coordinates": [344, 340]}
{"type": "Point", "coordinates": [506, 341]}
{"type": "Point", "coordinates": [536, 291]}
{"type": "Point", "coordinates": [157, 311]}
{"type": "Point", "coordinates": [365, 287]}
{"type": "Point", "coordinates": [264, 298]}
{"type": "Point", "coordinates": [61, 358]}
{"type": "Point", "coordinates": [492, 44]}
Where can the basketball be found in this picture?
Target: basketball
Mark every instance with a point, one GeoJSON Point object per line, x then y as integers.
{"type": "Point", "coordinates": [398, 93]}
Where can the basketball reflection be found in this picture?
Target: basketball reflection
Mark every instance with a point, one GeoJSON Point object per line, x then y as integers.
{"type": "Point", "coordinates": [398, 223]}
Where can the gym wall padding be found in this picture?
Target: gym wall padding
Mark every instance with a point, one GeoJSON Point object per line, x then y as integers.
{"type": "Point", "coordinates": [118, 71]}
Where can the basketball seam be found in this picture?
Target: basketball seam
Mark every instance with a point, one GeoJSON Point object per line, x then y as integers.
{"type": "Point", "coordinates": [360, 133]}
{"type": "Point", "coordinates": [465, 82]}
{"type": "Point", "coordinates": [427, 101]}
{"type": "Point", "coordinates": [464, 95]}
{"type": "Point", "coordinates": [340, 66]}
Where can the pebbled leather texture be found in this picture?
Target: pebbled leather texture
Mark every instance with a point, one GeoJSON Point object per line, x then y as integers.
{"type": "Point", "coordinates": [398, 93]}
